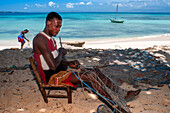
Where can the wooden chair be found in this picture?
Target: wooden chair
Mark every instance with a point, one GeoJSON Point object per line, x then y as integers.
{"type": "Point", "coordinates": [43, 87]}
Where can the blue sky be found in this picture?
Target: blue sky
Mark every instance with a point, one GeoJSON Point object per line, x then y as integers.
{"type": "Point", "coordinates": [85, 5]}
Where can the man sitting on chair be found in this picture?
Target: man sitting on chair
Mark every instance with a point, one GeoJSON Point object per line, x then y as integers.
{"type": "Point", "coordinates": [50, 64]}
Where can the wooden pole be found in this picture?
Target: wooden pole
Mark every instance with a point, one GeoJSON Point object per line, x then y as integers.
{"type": "Point", "coordinates": [60, 41]}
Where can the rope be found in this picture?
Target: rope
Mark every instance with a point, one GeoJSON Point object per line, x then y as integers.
{"type": "Point", "coordinates": [95, 92]}
{"type": "Point", "coordinates": [165, 82]}
{"type": "Point", "coordinates": [99, 107]}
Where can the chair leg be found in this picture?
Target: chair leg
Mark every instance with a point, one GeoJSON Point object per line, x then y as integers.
{"type": "Point", "coordinates": [44, 94]}
{"type": "Point", "coordinates": [69, 94]}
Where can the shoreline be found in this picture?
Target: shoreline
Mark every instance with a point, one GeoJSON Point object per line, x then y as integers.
{"type": "Point", "coordinates": [121, 43]}
{"type": "Point", "coordinates": [138, 42]}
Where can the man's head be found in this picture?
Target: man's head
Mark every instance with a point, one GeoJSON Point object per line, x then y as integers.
{"type": "Point", "coordinates": [26, 30]}
{"type": "Point", "coordinates": [53, 23]}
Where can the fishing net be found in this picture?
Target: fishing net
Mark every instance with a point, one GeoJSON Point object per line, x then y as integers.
{"type": "Point", "coordinates": [136, 67]}
{"type": "Point", "coordinates": [140, 69]}
{"type": "Point", "coordinates": [103, 109]}
{"type": "Point", "coordinates": [105, 86]}
{"type": "Point", "coordinates": [30, 37]}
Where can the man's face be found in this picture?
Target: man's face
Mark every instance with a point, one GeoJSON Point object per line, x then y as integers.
{"type": "Point", "coordinates": [54, 26]}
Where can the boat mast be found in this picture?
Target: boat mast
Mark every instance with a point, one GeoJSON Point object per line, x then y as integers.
{"type": "Point", "coordinates": [116, 11]}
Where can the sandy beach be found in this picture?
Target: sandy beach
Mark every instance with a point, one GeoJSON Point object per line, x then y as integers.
{"type": "Point", "coordinates": [130, 59]}
{"type": "Point", "coordinates": [138, 42]}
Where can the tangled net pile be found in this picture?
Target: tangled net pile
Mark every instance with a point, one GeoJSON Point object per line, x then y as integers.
{"type": "Point", "coordinates": [136, 67]}
{"type": "Point", "coordinates": [142, 69]}
{"type": "Point", "coordinates": [116, 93]}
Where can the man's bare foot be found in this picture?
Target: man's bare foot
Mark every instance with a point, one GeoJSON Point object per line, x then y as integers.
{"type": "Point", "coordinates": [131, 94]}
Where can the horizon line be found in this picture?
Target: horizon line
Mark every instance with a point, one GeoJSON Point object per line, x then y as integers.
{"type": "Point", "coordinates": [86, 12]}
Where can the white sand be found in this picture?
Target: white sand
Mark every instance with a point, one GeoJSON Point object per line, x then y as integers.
{"type": "Point", "coordinates": [138, 42]}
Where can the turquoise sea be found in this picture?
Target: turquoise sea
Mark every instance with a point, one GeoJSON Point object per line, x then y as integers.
{"type": "Point", "coordinates": [82, 26]}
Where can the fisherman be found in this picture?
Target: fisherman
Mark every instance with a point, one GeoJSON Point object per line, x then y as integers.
{"type": "Point", "coordinates": [53, 68]}
{"type": "Point", "coordinates": [21, 37]}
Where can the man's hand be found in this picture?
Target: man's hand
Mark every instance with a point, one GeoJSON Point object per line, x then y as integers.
{"type": "Point", "coordinates": [74, 64]}
{"type": "Point", "coordinates": [26, 39]}
{"type": "Point", "coordinates": [62, 51]}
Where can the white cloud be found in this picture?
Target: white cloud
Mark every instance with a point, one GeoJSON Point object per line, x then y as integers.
{"type": "Point", "coordinates": [109, 3]}
{"type": "Point", "coordinates": [120, 5]}
{"type": "Point", "coordinates": [27, 5]}
{"type": "Point", "coordinates": [70, 5]}
{"type": "Point", "coordinates": [57, 6]}
{"type": "Point", "coordinates": [81, 3]}
{"type": "Point", "coordinates": [131, 5]}
{"type": "Point", "coordinates": [100, 3]}
{"type": "Point", "coordinates": [39, 5]}
{"type": "Point", "coordinates": [52, 4]}
{"type": "Point", "coordinates": [114, 4]}
{"type": "Point", "coordinates": [145, 4]}
{"type": "Point", "coordinates": [89, 3]}
{"type": "Point", "coordinates": [135, 3]}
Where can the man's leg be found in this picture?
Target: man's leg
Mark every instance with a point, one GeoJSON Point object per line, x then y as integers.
{"type": "Point", "coordinates": [22, 44]}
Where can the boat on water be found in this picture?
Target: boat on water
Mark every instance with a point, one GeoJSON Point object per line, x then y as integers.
{"type": "Point", "coordinates": [114, 20]}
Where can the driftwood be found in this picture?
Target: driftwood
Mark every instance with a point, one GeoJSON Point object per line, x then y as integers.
{"type": "Point", "coordinates": [76, 44]}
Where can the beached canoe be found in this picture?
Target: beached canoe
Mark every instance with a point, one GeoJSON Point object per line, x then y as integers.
{"type": "Point", "coordinates": [76, 44]}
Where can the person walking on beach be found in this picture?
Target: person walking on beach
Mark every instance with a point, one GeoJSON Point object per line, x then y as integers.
{"type": "Point", "coordinates": [51, 64]}
{"type": "Point", "coordinates": [21, 37]}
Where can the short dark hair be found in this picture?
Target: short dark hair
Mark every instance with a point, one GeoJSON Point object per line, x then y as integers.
{"type": "Point", "coordinates": [26, 30]}
{"type": "Point", "coordinates": [52, 15]}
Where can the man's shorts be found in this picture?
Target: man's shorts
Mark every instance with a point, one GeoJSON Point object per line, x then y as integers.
{"type": "Point", "coordinates": [21, 39]}
{"type": "Point", "coordinates": [61, 78]}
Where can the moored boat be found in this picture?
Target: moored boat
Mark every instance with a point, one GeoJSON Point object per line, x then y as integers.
{"type": "Point", "coordinates": [114, 20]}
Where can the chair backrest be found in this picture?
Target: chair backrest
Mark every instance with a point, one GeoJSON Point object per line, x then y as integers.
{"type": "Point", "coordinates": [35, 70]}
{"type": "Point", "coordinates": [43, 87]}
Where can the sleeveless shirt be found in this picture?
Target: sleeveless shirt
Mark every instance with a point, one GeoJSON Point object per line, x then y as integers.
{"type": "Point", "coordinates": [41, 63]}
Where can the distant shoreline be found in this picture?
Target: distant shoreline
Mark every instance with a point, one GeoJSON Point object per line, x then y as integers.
{"type": "Point", "coordinates": [138, 42]}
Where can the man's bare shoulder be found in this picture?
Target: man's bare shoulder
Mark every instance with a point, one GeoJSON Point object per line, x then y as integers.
{"type": "Point", "coordinates": [39, 43]}
{"type": "Point", "coordinates": [39, 39]}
